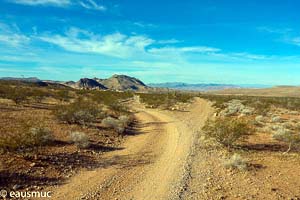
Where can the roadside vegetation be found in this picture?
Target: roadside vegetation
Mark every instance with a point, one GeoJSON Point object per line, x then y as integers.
{"type": "Point", "coordinates": [56, 129]}
{"type": "Point", "coordinates": [262, 105]}
{"type": "Point", "coordinates": [227, 131]}
{"type": "Point", "coordinates": [165, 100]}
{"type": "Point", "coordinates": [247, 126]}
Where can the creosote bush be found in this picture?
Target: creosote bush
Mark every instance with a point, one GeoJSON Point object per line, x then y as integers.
{"type": "Point", "coordinates": [25, 135]}
{"type": "Point", "coordinates": [81, 112]}
{"type": "Point", "coordinates": [80, 139]}
{"type": "Point", "coordinates": [227, 131]}
{"type": "Point", "coordinates": [236, 162]}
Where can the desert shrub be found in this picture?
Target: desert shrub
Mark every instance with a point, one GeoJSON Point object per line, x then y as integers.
{"type": "Point", "coordinates": [259, 118]}
{"type": "Point", "coordinates": [262, 105]}
{"type": "Point", "coordinates": [125, 120]}
{"type": "Point", "coordinates": [80, 139]}
{"type": "Point", "coordinates": [165, 99]}
{"type": "Point", "coordinates": [22, 94]}
{"type": "Point", "coordinates": [287, 136]}
{"type": "Point", "coordinates": [80, 112]}
{"type": "Point", "coordinates": [62, 95]}
{"type": "Point", "coordinates": [26, 135]}
{"type": "Point", "coordinates": [236, 162]}
{"type": "Point", "coordinates": [110, 97]}
{"type": "Point", "coordinates": [119, 108]}
{"type": "Point", "coordinates": [276, 119]}
{"type": "Point", "coordinates": [119, 124]}
{"type": "Point", "coordinates": [227, 131]}
{"type": "Point", "coordinates": [18, 95]}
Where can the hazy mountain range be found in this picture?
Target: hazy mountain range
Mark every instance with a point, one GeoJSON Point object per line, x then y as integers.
{"type": "Point", "coordinates": [202, 86]}
{"type": "Point", "coordinates": [127, 83]}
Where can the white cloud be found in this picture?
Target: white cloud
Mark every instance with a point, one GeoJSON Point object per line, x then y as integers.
{"type": "Point", "coordinates": [177, 50]}
{"type": "Point", "coordinates": [43, 2]}
{"type": "Point", "coordinates": [87, 4]}
{"type": "Point", "coordinates": [171, 41]}
{"type": "Point", "coordinates": [115, 45]}
{"type": "Point", "coordinates": [140, 47]}
{"type": "Point", "coordinates": [92, 5]}
{"type": "Point", "coordinates": [249, 56]}
{"type": "Point", "coordinates": [14, 40]}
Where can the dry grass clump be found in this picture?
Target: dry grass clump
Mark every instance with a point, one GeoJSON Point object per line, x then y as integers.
{"type": "Point", "coordinates": [287, 136]}
{"type": "Point", "coordinates": [25, 134]}
{"type": "Point", "coordinates": [80, 139]}
{"type": "Point", "coordinates": [236, 162]}
{"type": "Point", "coordinates": [119, 125]}
{"type": "Point", "coordinates": [81, 112]}
{"type": "Point", "coordinates": [227, 131]}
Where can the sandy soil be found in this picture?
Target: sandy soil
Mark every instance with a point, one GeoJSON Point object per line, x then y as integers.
{"type": "Point", "coordinates": [153, 164]}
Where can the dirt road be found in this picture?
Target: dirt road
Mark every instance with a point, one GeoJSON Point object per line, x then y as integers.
{"type": "Point", "coordinates": [153, 164]}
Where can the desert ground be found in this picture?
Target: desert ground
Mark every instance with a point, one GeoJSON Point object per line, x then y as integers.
{"type": "Point", "coordinates": [90, 144]}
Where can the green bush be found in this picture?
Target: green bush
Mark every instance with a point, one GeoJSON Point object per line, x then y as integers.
{"type": "Point", "coordinates": [81, 112]}
{"type": "Point", "coordinates": [227, 131]}
{"type": "Point", "coordinates": [25, 135]}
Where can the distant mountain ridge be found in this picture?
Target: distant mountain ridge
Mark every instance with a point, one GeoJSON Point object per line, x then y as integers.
{"type": "Point", "coordinates": [127, 83]}
{"type": "Point", "coordinates": [115, 82]}
{"type": "Point", "coordinates": [194, 87]}
{"type": "Point", "coordinates": [203, 86]}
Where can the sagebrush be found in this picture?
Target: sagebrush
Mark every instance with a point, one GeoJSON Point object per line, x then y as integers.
{"type": "Point", "coordinates": [80, 139]}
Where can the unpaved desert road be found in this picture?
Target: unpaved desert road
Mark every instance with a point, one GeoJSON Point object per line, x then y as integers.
{"type": "Point", "coordinates": [153, 164]}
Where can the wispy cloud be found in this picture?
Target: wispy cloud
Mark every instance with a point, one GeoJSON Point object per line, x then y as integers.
{"type": "Point", "coordinates": [194, 49]}
{"type": "Point", "coordinates": [87, 4]}
{"type": "Point", "coordinates": [171, 41]}
{"type": "Point", "coordinates": [294, 41]}
{"type": "Point", "coordinates": [274, 30]}
{"type": "Point", "coordinates": [43, 2]}
{"type": "Point", "coordinates": [11, 36]}
{"type": "Point", "coordinates": [115, 45]}
{"type": "Point", "coordinates": [140, 47]}
{"type": "Point", "coordinates": [284, 35]}
{"type": "Point", "coordinates": [249, 56]}
{"type": "Point", "coordinates": [92, 5]}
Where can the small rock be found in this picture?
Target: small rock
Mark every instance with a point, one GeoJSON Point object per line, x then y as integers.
{"type": "Point", "coordinates": [32, 164]}
{"type": "Point", "coordinates": [16, 187]}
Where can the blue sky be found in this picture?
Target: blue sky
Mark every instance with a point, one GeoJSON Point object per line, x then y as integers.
{"type": "Point", "coordinates": [193, 41]}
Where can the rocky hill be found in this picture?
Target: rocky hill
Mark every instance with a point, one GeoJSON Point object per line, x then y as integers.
{"type": "Point", "coordinates": [86, 83]}
{"type": "Point", "coordinates": [123, 83]}
{"type": "Point", "coordinates": [116, 82]}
